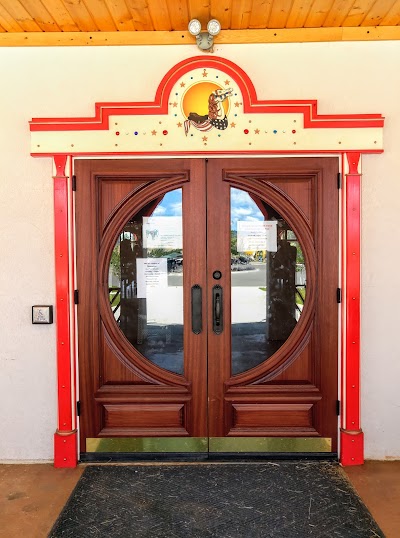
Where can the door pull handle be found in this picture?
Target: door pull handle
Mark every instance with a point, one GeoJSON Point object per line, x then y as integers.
{"type": "Point", "coordinates": [217, 309]}
{"type": "Point", "coordinates": [197, 309]}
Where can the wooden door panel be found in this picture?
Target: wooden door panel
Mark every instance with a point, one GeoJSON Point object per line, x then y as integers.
{"type": "Point", "coordinates": [113, 191]}
{"type": "Point", "coordinates": [122, 393]}
{"type": "Point", "coordinates": [292, 393]}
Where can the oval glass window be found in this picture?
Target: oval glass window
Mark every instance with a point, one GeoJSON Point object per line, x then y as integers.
{"type": "Point", "coordinates": [146, 282]}
{"type": "Point", "coordinates": [268, 280]}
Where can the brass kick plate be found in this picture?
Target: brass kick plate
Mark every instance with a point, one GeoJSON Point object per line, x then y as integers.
{"type": "Point", "coordinates": [270, 444]}
{"type": "Point", "coordinates": [212, 444]}
{"type": "Point", "coordinates": [147, 444]}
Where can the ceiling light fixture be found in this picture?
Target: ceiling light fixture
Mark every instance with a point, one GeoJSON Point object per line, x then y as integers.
{"type": "Point", "coordinates": [204, 40]}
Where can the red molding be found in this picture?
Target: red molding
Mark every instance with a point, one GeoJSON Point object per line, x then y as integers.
{"type": "Point", "coordinates": [251, 104]}
{"type": "Point", "coordinates": [352, 446]}
{"type": "Point", "coordinates": [65, 454]}
{"type": "Point", "coordinates": [208, 153]}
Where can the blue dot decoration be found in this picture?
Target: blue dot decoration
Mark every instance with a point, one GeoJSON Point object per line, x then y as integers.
{"type": "Point", "coordinates": [136, 133]}
{"type": "Point", "coordinates": [275, 131]}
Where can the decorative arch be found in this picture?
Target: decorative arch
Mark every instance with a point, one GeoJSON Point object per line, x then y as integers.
{"type": "Point", "coordinates": [180, 121]}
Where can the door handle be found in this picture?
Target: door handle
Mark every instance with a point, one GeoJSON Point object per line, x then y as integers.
{"type": "Point", "coordinates": [217, 309]}
{"type": "Point", "coordinates": [197, 309]}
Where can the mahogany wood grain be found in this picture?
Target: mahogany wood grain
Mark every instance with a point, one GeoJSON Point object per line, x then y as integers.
{"type": "Point", "coordinates": [294, 392]}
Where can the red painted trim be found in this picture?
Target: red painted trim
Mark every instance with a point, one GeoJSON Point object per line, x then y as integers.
{"type": "Point", "coordinates": [65, 449]}
{"type": "Point", "coordinates": [352, 448]}
{"type": "Point", "coordinates": [351, 434]}
{"type": "Point", "coordinates": [64, 443]}
{"type": "Point", "coordinates": [208, 153]}
{"type": "Point", "coordinates": [251, 104]}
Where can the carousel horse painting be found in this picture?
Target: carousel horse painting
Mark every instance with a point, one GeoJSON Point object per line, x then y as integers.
{"type": "Point", "coordinates": [216, 116]}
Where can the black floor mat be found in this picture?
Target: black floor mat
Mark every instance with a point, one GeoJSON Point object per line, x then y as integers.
{"type": "Point", "coordinates": [248, 500]}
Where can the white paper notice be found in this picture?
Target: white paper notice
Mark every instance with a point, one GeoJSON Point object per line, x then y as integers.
{"type": "Point", "coordinates": [254, 235]}
{"type": "Point", "coordinates": [162, 232]}
{"type": "Point", "coordinates": [152, 275]}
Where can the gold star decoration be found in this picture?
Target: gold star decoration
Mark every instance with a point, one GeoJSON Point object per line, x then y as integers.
{"type": "Point", "coordinates": [257, 131]}
{"type": "Point", "coordinates": [205, 74]}
{"type": "Point", "coordinates": [183, 84]}
{"type": "Point", "coordinates": [154, 132]}
{"type": "Point", "coordinates": [233, 124]}
{"type": "Point", "coordinates": [205, 139]}
{"type": "Point", "coordinates": [227, 82]}
{"type": "Point", "coordinates": [237, 103]}
{"type": "Point", "coordinates": [179, 124]}
{"type": "Point", "coordinates": [175, 104]}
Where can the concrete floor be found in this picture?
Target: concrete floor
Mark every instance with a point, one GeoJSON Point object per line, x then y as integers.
{"type": "Point", "coordinates": [32, 496]}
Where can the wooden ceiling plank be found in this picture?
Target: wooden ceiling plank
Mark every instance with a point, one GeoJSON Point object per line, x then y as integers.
{"type": "Point", "coordinates": [286, 35]}
{"type": "Point", "coordinates": [241, 14]}
{"type": "Point", "coordinates": [318, 13]}
{"type": "Point", "coordinates": [62, 17]}
{"type": "Point", "coordinates": [21, 16]}
{"type": "Point", "coordinates": [159, 13]}
{"type": "Point", "coordinates": [378, 12]}
{"type": "Point", "coordinates": [222, 11]}
{"type": "Point", "coordinates": [260, 13]}
{"type": "Point", "coordinates": [393, 16]}
{"type": "Point", "coordinates": [80, 15]}
{"type": "Point", "coordinates": [101, 14]}
{"type": "Point", "coordinates": [120, 14]}
{"type": "Point", "coordinates": [40, 15]}
{"type": "Point", "coordinates": [358, 12]}
{"type": "Point", "coordinates": [140, 15]}
{"type": "Point", "coordinates": [339, 11]}
{"type": "Point", "coordinates": [8, 22]}
{"type": "Point", "coordinates": [279, 13]}
{"type": "Point", "coordinates": [200, 10]}
{"type": "Point", "coordinates": [178, 14]}
{"type": "Point", "coordinates": [298, 13]}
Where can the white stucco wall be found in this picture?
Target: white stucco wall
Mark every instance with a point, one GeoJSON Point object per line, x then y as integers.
{"type": "Point", "coordinates": [43, 82]}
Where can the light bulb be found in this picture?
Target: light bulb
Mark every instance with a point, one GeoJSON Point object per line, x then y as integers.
{"type": "Point", "coordinates": [213, 27]}
{"type": "Point", "coordinates": [194, 27]}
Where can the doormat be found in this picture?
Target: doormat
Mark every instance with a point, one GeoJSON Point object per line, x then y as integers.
{"type": "Point", "coordinates": [248, 500]}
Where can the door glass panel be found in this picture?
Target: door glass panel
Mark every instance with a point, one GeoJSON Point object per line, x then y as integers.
{"type": "Point", "coordinates": [268, 280]}
{"type": "Point", "coordinates": [146, 281]}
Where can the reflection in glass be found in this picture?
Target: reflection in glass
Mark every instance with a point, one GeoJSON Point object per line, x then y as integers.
{"type": "Point", "coordinates": [268, 280]}
{"type": "Point", "coordinates": [145, 281]}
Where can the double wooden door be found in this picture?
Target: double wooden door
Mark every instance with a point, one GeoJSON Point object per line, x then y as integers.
{"type": "Point", "coordinates": [207, 316]}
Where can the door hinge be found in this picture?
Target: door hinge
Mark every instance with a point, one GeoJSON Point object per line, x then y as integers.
{"type": "Point", "coordinates": [339, 180]}
{"type": "Point", "coordinates": [78, 408]}
{"type": "Point", "coordinates": [339, 295]}
{"type": "Point", "coordinates": [76, 296]}
{"type": "Point", "coordinates": [74, 183]}
{"type": "Point", "coordinates": [338, 407]}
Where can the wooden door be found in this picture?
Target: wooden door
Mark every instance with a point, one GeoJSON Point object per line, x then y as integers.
{"type": "Point", "coordinates": [189, 351]}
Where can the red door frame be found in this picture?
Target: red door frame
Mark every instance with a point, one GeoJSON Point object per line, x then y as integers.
{"type": "Point", "coordinates": [351, 435]}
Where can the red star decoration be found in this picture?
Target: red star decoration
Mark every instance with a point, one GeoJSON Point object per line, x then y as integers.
{"type": "Point", "coordinates": [205, 139]}
{"type": "Point", "coordinates": [205, 74]}
{"type": "Point", "coordinates": [154, 132]}
{"type": "Point", "coordinates": [233, 124]}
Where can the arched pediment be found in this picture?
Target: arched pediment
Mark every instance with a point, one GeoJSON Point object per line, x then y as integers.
{"type": "Point", "coordinates": [205, 106]}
